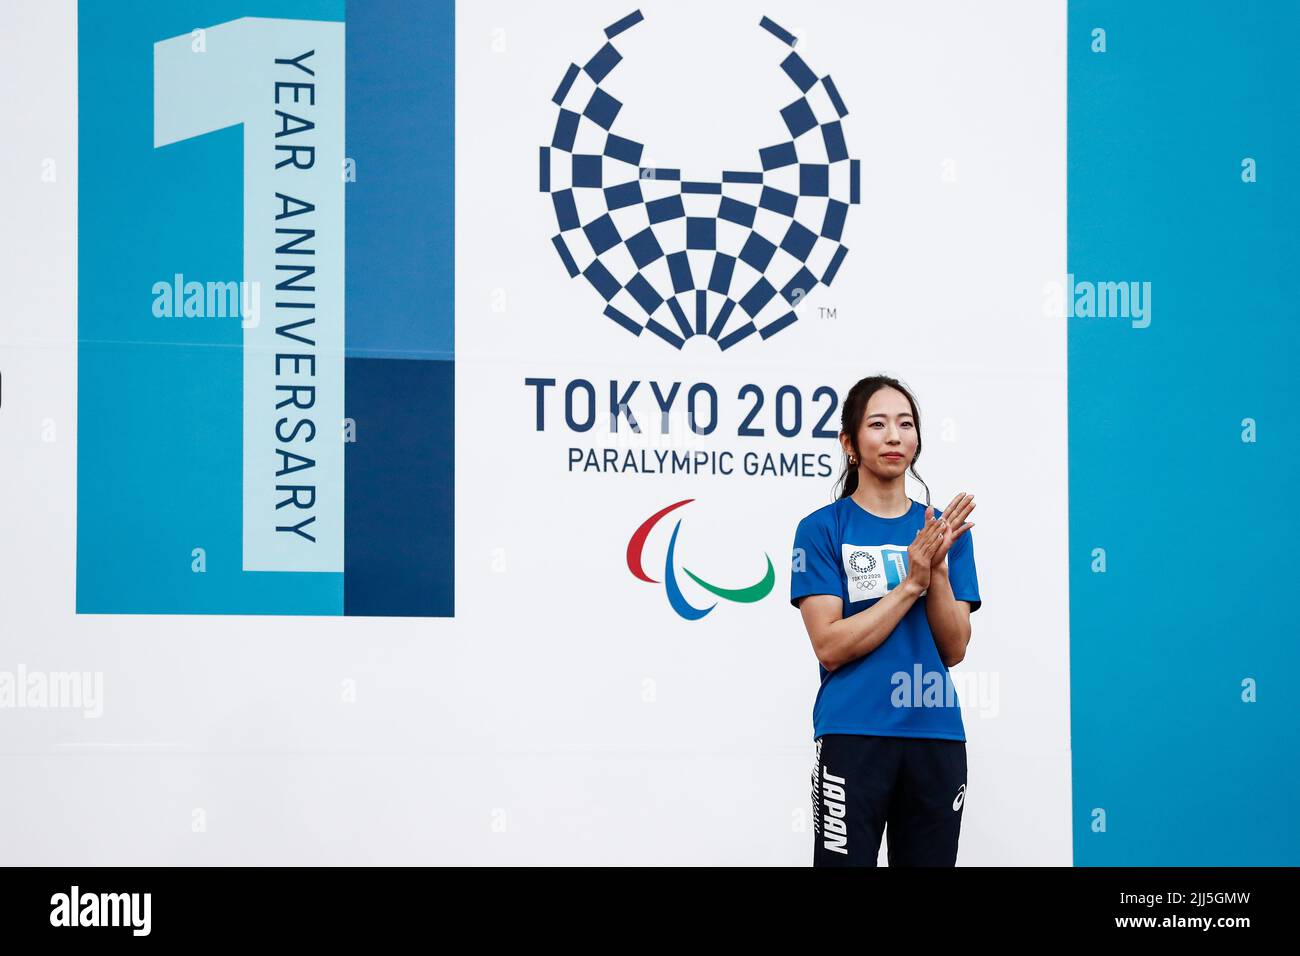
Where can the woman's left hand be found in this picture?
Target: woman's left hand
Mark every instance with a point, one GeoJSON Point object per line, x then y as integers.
{"type": "Point", "coordinates": [955, 525]}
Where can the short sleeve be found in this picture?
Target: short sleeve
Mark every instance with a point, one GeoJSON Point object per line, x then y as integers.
{"type": "Point", "coordinates": [813, 567]}
{"type": "Point", "coordinates": [961, 571]}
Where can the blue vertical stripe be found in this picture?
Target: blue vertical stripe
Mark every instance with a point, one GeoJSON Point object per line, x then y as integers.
{"type": "Point", "coordinates": [1195, 524]}
{"type": "Point", "coordinates": [400, 548]}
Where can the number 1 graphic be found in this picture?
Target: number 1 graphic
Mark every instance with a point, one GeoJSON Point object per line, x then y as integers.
{"type": "Point", "coordinates": [895, 566]}
{"type": "Point", "coordinates": [283, 82]}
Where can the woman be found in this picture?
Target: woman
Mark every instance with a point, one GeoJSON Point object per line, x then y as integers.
{"type": "Point", "coordinates": [886, 588]}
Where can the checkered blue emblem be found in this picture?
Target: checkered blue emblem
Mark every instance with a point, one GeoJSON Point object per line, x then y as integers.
{"type": "Point", "coordinates": [723, 258]}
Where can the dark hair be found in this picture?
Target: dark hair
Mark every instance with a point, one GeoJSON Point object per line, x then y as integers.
{"type": "Point", "coordinates": [855, 406]}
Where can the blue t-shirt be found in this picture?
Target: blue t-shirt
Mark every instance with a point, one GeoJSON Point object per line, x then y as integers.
{"type": "Point", "coordinates": [902, 688]}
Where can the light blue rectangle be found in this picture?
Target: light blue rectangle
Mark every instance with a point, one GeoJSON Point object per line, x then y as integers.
{"type": "Point", "coordinates": [160, 400]}
{"type": "Point", "coordinates": [282, 81]}
{"type": "Point", "coordinates": [1183, 650]}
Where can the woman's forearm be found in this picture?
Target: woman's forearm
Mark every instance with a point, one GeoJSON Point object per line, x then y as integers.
{"type": "Point", "coordinates": [849, 638]}
{"type": "Point", "coordinates": [950, 627]}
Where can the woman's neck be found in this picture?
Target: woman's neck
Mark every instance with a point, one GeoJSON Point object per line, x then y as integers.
{"type": "Point", "coordinates": [887, 499]}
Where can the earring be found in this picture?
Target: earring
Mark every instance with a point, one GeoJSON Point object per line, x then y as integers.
{"type": "Point", "coordinates": [853, 461]}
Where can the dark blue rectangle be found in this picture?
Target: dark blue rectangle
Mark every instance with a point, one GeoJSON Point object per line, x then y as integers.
{"type": "Point", "coordinates": [566, 130]}
{"type": "Point", "coordinates": [399, 549]}
{"type": "Point", "coordinates": [602, 108]}
{"type": "Point", "coordinates": [606, 59]}
{"type": "Point", "coordinates": [833, 136]}
{"type": "Point", "coordinates": [586, 170]}
{"type": "Point", "coordinates": [774, 157]}
{"type": "Point", "coordinates": [776, 326]}
{"type": "Point", "coordinates": [566, 210]}
{"type": "Point", "coordinates": [644, 248]}
{"type": "Point", "coordinates": [682, 323]}
{"type": "Point", "coordinates": [566, 84]}
{"type": "Point", "coordinates": [834, 94]}
{"type": "Point", "coordinates": [720, 321]}
{"type": "Point", "coordinates": [798, 71]}
{"type": "Point", "coordinates": [798, 287]}
{"type": "Point", "coordinates": [735, 336]}
{"type": "Point", "coordinates": [814, 179]}
{"type": "Point", "coordinates": [624, 194]}
{"type": "Point", "coordinates": [644, 293]}
{"type": "Point", "coordinates": [757, 252]}
{"type": "Point", "coordinates": [679, 267]}
{"type": "Point", "coordinates": [720, 280]}
{"type": "Point", "coordinates": [798, 117]}
{"type": "Point", "coordinates": [701, 232]}
{"type": "Point", "coordinates": [665, 333]}
{"type": "Point", "coordinates": [602, 234]}
{"type": "Point", "coordinates": [622, 320]}
{"type": "Point", "coordinates": [834, 267]}
{"type": "Point", "coordinates": [733, 210]}
{"type": "Point", "coordinates": [625, 150]}
{"type": "Point", "coordinates": [661, 210]}
{"type": "Point", "coordinates": [833, 224]}
{"type": "Point", "coordinates": [562, 248]}
{"type": "Point", "coordinates": [631, 20]}
{"type": "Point", "coordinates": [601, 280]}
{"type": "Point", "coordinates": [782, 34]}
{"type": "Point", "coordinates": [799, 241]}
{"type": "Point", "coordinates": [758, 296]}
{"type": "Point", "coordinates": [778, 201]}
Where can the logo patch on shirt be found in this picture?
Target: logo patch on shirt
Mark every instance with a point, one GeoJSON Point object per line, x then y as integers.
{"type": "Point", "coordinates": [873, 570]}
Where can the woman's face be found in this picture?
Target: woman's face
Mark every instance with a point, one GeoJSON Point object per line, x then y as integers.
{"type": "Point", "coordinates": [887, 435]}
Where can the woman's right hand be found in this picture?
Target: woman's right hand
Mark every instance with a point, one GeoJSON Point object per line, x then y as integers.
{"type": "Point", "coordinates": [921, 551]}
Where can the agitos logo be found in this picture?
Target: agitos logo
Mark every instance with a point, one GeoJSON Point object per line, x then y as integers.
{"type": "Point", "coordinates": [635, 552]}
{"type": "Point", "coordinates": [724, 256]}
